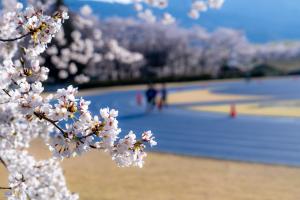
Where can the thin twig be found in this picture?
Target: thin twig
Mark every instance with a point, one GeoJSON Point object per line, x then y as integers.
{"type": "Point", "coordinates": [85, 136]}
{"type": "Point", "coordinates": [2, 161]}
{"type": "Point", "coordinates": [14, 39]}
{"type": "Point", "coordinates": [6, 91]}
{"type": "Point", "coordinates": [42, 116]}
{"type": "Point", "coordinates": [5, 188]}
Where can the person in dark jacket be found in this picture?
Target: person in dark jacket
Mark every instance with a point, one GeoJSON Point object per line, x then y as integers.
{"type": "Point", "coordinates": [151, 94]}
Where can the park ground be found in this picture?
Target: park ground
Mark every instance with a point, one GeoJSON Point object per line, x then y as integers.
{"type": "Point", "coordinates": [172, 177]}
{"type": "Point", "coordinates": [169, 177]}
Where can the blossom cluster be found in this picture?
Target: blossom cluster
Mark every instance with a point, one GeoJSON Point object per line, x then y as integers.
{"type": "Point", "coordinates": [81, 46]}
{"type": "Point", "coordinates": [122, 54]}
{"type": "Point", "coordinates": [31, 179]}
{"type": "Point", "coordinates": [86, 132]}
{"type": "Point", "coordinates": [145, 13]}
{"type": "Point", "coordinates": [42, 28]}
{"type": "Point", "coordinates": [199, 6]}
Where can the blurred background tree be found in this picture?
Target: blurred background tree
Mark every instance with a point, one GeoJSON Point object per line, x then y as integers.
{"type": "Point", "coordinates": [128, 50]}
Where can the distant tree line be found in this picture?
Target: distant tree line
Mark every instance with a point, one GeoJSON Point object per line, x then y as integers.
{"type": "Point", "coordinates": [130, 51]}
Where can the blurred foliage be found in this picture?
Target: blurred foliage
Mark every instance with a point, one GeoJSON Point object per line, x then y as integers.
{"type": "Point", "coordinates": [265, 70]}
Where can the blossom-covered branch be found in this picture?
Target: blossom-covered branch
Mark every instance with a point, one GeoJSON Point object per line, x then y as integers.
{"type": "Point", "coordinates": [61, 119]}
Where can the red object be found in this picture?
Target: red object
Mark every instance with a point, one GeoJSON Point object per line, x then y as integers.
{"type": "Point", "coordinates": [139, 99]}
{"type": "Point", "coordinates": [160, 104]}
{"type": "Point", "coordinates": [233, 112]}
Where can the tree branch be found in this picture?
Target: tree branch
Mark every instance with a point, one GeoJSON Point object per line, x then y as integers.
{"type": "Point", "coordinates": [41, 116]}
{"type": "Point", "coordinates": [14, 39]}
{"type": "Point", "coordinates": [5, 188]}
{"type": "Point", "coordinates": [6, 92]}
{"type": "Point", "coordinates": [85, 136]}
{"type": "Point", "coordinates": [2, 161]}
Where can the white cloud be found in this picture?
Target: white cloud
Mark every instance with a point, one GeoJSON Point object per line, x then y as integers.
{"type": "Point", "coordinates": [112, 1]}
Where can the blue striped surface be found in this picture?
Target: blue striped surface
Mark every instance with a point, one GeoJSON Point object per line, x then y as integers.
{"type": "Point", "coordinates": [270, 140]}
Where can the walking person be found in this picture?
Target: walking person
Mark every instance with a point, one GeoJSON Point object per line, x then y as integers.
{"type": "Point", "coordinates": [164, 95]}
{"type": "Point", "coordinates": [162, 101]}
{"type": "Point", "coordinates": [151, 93]}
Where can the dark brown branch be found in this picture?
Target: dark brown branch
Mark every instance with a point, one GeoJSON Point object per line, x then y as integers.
{"type": "Point", "coordinates": [14, 39]}
{"type": "Point", "coordinates": [85, 136]}
{"type": "Point", "coordinates": [6, 92]}
{"type": "Point", "coordinates": [42, 116]}
{"type": "Point", "coordinates": [5, 188]}
{"type": "Point", "coordinates": [10, 188]}
{"type": "Point", "coordinates": [2, 161]}
{"type": "Point", "coordinates": [95, 147]}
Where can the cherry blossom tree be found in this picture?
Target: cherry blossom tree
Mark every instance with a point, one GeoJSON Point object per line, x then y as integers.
{"type": "Point", "coordinates": [172, 51]}
{"type": "Point", "coordinates": [80, 43]}
{"type": "Point", "coordinates": [62, 120]}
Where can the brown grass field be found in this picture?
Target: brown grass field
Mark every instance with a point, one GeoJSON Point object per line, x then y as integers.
{"type": "Point", "coordinates": [205, 95]}
{"type": "Point", "coordinates": [169, 177]}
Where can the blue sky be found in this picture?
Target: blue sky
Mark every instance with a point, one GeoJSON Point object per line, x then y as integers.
{"type": "Point", "coordinates": [261, 20]}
